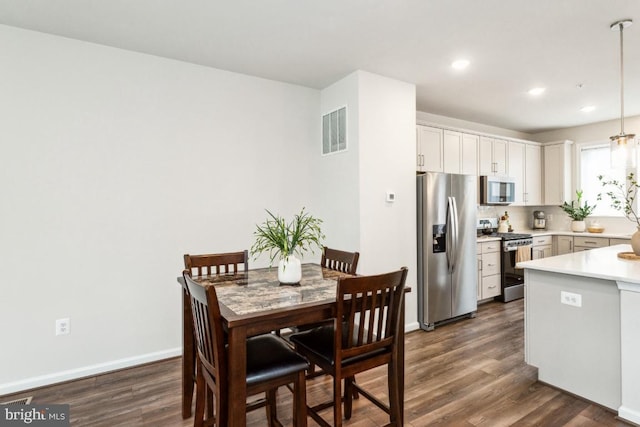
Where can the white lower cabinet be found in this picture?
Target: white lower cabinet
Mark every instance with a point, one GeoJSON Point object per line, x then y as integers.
{"type": "Point", "coordinates": [568, 244]}
{"type": "Point", "coordinates": [542, 247]}
{"type": "Point", "coordinates": [488, 270]}
{"type": "Point", "coordinates": [562, 245]}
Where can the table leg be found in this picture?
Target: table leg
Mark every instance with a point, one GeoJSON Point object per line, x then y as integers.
{"type": "Point", "coordinates": [188, 356]}
{"type": "Point", "coordinates": [237, 365]}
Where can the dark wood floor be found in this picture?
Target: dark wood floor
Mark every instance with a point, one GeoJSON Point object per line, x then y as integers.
{"type": "Point", "coordinates": [467, 373]}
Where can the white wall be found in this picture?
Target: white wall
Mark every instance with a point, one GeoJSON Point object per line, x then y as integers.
{"type": "Point", "coordinates": [114, 164]}
{"type": "Point", "coordinates": [335, 185]}
{"type": "Point", "coordinates": [387, 163]}
{"type": "Point", "coordinates": [600, 131]}
{"type": "Point", "coordinates": [430, 119]}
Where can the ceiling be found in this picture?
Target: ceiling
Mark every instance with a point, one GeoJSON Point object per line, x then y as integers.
{"type": "Point", "coordinates": [513, 45]}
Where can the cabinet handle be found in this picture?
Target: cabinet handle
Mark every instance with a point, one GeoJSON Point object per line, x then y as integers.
{"type": "Point", "coordinates": [480, 265]}
{"type": "Point", "coordinates": [571, 245]}
{"type": "Point", "coordinates": [491, 287]}
{"type": "Point", "coordinates": [490, 265]}
{"type": "Point", "coordinates": [590, 243]}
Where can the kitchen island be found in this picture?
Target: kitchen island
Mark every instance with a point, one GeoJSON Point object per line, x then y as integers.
{"type": "Point", "coordinates": [582, 326]}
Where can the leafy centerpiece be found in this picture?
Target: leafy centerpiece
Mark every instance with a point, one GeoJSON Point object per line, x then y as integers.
{"type": "Point", "coordinates": [623, 196]}
{"type": "Point", "coordinates": [577, 212]}
{"type": "Point", "coordinates": [286, 240]}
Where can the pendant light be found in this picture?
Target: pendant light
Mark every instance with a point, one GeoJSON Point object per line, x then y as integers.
{"type": "Point", "coordinates": [623, 146]}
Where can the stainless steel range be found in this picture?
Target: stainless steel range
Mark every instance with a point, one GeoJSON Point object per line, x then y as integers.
{"type": "Point", "coordinates": [514, 247]}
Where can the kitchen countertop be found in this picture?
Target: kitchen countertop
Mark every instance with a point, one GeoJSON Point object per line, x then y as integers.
{"type": "Point", "coordinates": [559, 233]}
{"type": "Point", "coordinates": [601, 263]}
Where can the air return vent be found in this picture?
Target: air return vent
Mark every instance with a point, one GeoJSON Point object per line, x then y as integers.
{"type": "Point", "coordinates": [21, 401]}
{"type": "Point", "coordinates": [334, 131]}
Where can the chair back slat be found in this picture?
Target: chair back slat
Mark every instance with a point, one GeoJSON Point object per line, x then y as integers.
{"type": "Point", "coordinates": [342, 261]}
{"type": "Point", "coordinates": [207, 325]}
{"type": "Point", "coordinates": [215, 264]}
{"type": "Point", "coordinates": [370, 311]}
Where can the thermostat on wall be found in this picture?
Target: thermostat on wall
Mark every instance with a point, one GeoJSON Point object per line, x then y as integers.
{"type": "Point", "coordinates": [391, 196]}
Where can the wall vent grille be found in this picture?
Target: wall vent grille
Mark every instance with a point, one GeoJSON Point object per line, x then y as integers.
{"type": "Point", "coordinates": [334, 131]}
{"type": "Point", "coordinates": [21, 401]}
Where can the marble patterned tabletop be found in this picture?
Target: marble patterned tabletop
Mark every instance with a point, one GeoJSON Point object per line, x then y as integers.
{"type": "Point", "coordinates": [259, 290]}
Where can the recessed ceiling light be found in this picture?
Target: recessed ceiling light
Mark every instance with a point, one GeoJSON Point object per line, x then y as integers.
{"type": "Point", "coordinates": [460, 64]}
{"type": "Point", "coordinates": [588, 108]}
{"type": "Point", "coordinates": [536, 91]}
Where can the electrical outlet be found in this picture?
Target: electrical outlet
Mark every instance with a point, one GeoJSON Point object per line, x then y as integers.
{"type": "Point", "coordinates": [63, 326]}
{"type": "Point", "coordinates": [570, 298]}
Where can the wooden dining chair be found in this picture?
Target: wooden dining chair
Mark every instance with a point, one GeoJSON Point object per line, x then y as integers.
{"type": "Point", "coordinates": [198, 266]}
{"type": "Point", "coordinates": [210, 264]}
{"type": "Point", "coordinates": [363, 336]}
{"type": "Point", "coordinates": [334, 259]}
{"type": "Point", "coordinates": [271, 363]}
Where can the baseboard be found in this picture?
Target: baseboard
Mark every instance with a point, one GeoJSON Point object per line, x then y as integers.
{"type": "Point", "coordinates": [411, 327]}
{"type": "Point", "coordinates": [86, 371]}
{"type": "Point", "coordinates": [629, 414]}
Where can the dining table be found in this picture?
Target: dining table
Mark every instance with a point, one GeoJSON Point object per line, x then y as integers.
{"type": "Point", "coordinates": [253, 303]}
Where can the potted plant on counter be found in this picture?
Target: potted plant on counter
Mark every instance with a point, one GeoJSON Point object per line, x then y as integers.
{"type": "Point", "coordinates": [286, 240]}
{"type": "Point", "coordinates": [623, 196]}
{"type": "Point", "coordinates": [578, 212]}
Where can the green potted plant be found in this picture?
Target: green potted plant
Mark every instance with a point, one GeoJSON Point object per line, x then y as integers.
{"type": "Point", "coordinates": [623, 196]}
{"type": "Point", "coordinates": [286, 240]}
{"type": "Point", "coordinates": [578, 212]}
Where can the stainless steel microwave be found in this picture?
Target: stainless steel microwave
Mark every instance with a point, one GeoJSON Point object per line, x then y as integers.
{"type": "Point", "coordinates": [497, 190]}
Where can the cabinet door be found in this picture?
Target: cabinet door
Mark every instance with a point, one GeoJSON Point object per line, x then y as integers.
{"type": "Point", "coordinates": [429, 149]}
{"type": "Point", "coordinates": [469, 155]}
{"type": "Point", "coordinates": [452, 151]}
{"type": "Point", "coordinates": [485, 157]}
{"type": "Point", "coordinates": [542, 251]}
{"type": "Point", "coordinates": [613, 242]}
{"type": "Point", "coordinates": [500, 156]}
{"type": "Point", "coordinates": [490, 264]}
{"type": "Point", "coordinates": [491, 286]}
{"type": "Point", "coordinates": [563, 244]}
{"type": "Point", "coordinates": [479, 290]}
{"type": "Point", "coordinates": [557, 173]}
{"type": "Point", "coordinates": [533, 175]}
{"type": "Point", "coordinates": [516, 167]}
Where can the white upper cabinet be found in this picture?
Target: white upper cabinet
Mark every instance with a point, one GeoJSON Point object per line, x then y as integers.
{"type": "Point", "coordinates": [557, 173]}
{"type": "Point", "coordinates": [429, 153]}
{"type": "Point", "coordinates": [525, 166]}
{"type": "Point", "coordinates": [533, 174]}
{"type": "Point", "coordinates": [492, 156]}
{"type": "Point", "coordinates": [452, 151]}
{"type": "Point", "coordinates": [469, 157]}
{"type": "Point", "coordinates": [460, 153]}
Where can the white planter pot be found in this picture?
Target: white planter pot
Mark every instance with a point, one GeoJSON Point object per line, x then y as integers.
{"type": "Point", "coordinates": [289, 270]}
{"type": "Point", "coordinates": [578, 226]}
{"type": "Point", "coordinates": [635, 242]}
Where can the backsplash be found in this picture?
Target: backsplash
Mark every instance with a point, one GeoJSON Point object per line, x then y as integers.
{"type": "Point", "coordinates": [521, 219]}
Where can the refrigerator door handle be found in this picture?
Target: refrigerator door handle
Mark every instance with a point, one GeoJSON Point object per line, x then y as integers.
{"type": "Point", "coordinates": [452, 233]}
{"type": "Point", "coordinates": [455, 236]}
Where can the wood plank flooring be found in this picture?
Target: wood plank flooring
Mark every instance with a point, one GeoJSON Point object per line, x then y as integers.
{"type": "Point", "coordinates": [467, 373]}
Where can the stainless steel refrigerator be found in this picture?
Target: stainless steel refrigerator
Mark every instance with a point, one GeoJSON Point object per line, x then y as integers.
{"type": "Point", "coordinates": [447, 259]}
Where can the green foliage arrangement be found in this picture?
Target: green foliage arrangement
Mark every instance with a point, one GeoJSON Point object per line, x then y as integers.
{"type": "Point", "coordinates": [623, 195]}
{"type": "Point", "coordinates": [282, 239]}
{"type": "Point", "coordinates": [576, 211]}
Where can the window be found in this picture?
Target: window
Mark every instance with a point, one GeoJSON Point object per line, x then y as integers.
{"type": "Point", "coordinates": [594, 160]}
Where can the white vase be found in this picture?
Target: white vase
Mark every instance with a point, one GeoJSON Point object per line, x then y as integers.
{"type": "Point", "coordinates": [635, 242]}
{"type": "Point", "coordinates": [578, 226]}
{"type": "Point", "coordinates": [289, 270]}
